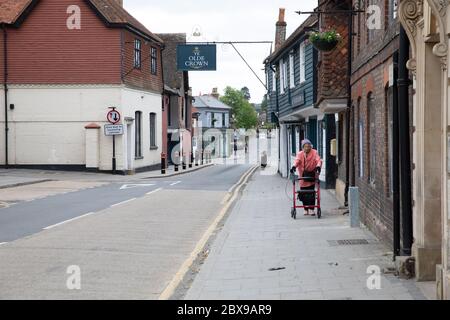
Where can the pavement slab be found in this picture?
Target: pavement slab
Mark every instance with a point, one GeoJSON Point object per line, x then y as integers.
{"type": "Point", "coordinates": [262, 253]}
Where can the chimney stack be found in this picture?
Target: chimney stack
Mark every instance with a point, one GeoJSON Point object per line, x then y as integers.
{"type": "Point", "coordinates": [280, 33]}
{"type": "Point", "coordinates": [215, 93]}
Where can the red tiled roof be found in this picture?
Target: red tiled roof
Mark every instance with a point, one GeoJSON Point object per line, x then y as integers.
{"type": "Point", "coordinates": [10, 10]}
{"type": "Point", "coordinates": [113, 13]}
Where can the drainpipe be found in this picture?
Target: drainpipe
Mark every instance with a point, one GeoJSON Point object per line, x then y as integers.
{"type": "Point", "coordinates": [5, 84]}
{"type": "Point", "coordinates": [405, 157]}
{"type": "Point", "coordinates": [396, 161]}
{"type": "Point", "coordinates": [349, 106]}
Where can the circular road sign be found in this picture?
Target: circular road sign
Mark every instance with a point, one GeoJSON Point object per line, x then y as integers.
{"type": "Point", "coordinates": [113, 116]}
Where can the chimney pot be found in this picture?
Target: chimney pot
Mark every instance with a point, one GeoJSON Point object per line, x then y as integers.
{"type": "Point", "coordinates": [280, 33]}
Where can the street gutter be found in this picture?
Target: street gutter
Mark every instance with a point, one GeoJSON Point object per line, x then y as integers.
{"type": "Point", "coordinates": [20, 184]}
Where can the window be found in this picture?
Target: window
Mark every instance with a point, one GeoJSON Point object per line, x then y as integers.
{"type": "Point", "coordinates": [285, 74]}
{"type": "Point", "coordinates": [390, 134]}
{"type": "Point", "coordinates": [274, 81]}
{"type": "Point", "coordinates": [371, 137]}
{"type": "Point", "coordinates": [223, 120]}
{"type": "Point", "coordinates": [154, 60]}
{"type": "Point", "coordinates": [360, 139]}
{"type": "Point", "coordinates": [302, 63]}
{"type": "Point", "coordinates": [138, 134]}
{"type": "Point", "coordinates": [394, 9]}
{"type": "Point", "coordinates": [291, 71]}
{"type": "Point", "coordinates": [153, 143]}
{"type": "Point", "coordinates": [208, 120]}
{"type": "Point", "coordinates": [137, 54]}
{"type": "Point", "coordinates": [282, 71]}
{"type": "Point", "coordinates": [340, 138]}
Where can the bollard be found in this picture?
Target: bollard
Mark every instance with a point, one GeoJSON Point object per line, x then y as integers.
{"type": "Point", "coordinates": [177, 161]}
{"type": "Point", "coordinates": [191, 159]}
{"type": "Point", "coordinates": [203, 156]}
{"type": "Point", "coordinates": [354, 207]}
{"type": "Point", "coordinates": [184, 160]}
{"type": "Point", "coordinates": [196, 158]}
{"type": "Point", "coordinates": [163, 163]}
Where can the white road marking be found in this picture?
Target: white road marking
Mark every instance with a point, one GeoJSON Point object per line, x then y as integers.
{"type": "Point", "coordinates": [123, 202]}
{"type": "Point", "coordinates": [70, 220]}
{"type": "Point", "coordinates": [130, 186]}
{"type": "Point", "coordinates": [175, 183]}
{"type": "Point", "coordinates": [154, 191]}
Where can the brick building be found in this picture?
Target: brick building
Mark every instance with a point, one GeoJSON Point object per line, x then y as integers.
{"type": "Point", "coordinates": [371, 118]}
{"type": "Point", "coordinates": [292, 80]}
{"type": "Point", "coordinates": [177, 114]}
{"type": "Point", "coordinates": [67, 62]}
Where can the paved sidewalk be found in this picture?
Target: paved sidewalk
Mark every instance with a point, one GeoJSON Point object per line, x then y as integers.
{"type": "Point", "coordinates": [260, 235]}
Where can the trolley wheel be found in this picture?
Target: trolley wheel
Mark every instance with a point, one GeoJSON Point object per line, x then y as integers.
{"type": "Point", "coordinates": [319, 213]}
{"type": "Point", "coordinates": [293, 213]}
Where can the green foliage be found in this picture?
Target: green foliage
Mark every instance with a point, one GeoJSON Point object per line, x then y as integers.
{"type": "Point", "coordinates": [326, 36]}
{"type": "Point", "coordinates": [242, 111]}
{"type": "Point", "coordinates": [265, 103]}
{"type": "Point", "coordinates": [246, 92]}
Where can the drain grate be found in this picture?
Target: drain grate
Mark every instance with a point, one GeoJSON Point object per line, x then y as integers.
{"type": "Point", "coordinates": [350, 242]}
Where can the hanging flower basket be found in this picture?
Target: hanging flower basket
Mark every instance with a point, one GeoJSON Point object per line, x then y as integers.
{"type": "Point", "coordinates": [325, 41]}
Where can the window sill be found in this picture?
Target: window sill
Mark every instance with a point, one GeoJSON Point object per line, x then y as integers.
{"type": "Point", "coordinates": [154, 148]}
{"type": "Point", "coordinates": [138, 158]}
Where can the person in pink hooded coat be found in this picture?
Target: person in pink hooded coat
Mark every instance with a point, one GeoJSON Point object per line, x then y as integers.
{"type": "Point", "coordinates": [308, 164]}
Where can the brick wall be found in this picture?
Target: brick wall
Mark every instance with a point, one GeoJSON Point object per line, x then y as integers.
{"type": "Point", "coordinates": [44, 51]}
{"type": "Point", "coordinates": [332, 66]}
{"type": "Point", "coordinates": [370, 74]}
{"type": "Point", "coordinates": [140, 78]}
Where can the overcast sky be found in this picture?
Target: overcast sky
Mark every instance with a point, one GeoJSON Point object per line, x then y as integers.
{"type": "Point", "coordinates": [231, 20]}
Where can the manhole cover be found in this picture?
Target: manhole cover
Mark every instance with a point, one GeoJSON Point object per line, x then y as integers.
{"type": "Point", "coordinates": [350, 242]}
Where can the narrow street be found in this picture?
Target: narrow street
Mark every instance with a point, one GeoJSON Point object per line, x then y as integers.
{"type": "Point", "coordinates": [134, 239]}
{"type": "Point", "coordinates": [226, 151]}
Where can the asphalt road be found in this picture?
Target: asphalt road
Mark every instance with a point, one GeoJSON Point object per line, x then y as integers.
{"type": "Point", "coordinates": [129, 239]}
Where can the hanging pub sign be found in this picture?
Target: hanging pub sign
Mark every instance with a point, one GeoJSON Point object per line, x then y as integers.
{"type": "Point", "coordinates": [196, 57]}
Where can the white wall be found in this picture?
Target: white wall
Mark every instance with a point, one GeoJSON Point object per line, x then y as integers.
{"type": "Point", "coordinates": [47, 125]}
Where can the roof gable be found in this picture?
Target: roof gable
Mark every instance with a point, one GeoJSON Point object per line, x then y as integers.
{"type": "Point", "coordinates": [210, 102]}
{"type": "Point", "coordinates": [311, 21]}
{"type": "Point", "coordinates": [12, 12]}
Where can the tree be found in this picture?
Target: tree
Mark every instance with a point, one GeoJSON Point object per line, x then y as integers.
{"type": "Point", "coordinates": [247, 117]}
{"type": "Point", "coordinates": [264, 103]}
{"type": "Point", "coordinates": [243, 112]}
{"type": "Point", "coordinates": [246, 92]}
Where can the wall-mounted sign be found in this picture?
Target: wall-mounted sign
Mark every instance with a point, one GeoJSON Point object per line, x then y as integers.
{"type": "Point", "coordinates": [113, 129]}
{"type": "Point", "coordinates": [299, 99]}
{"type": "Point", "coordinates": [196, 57]}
